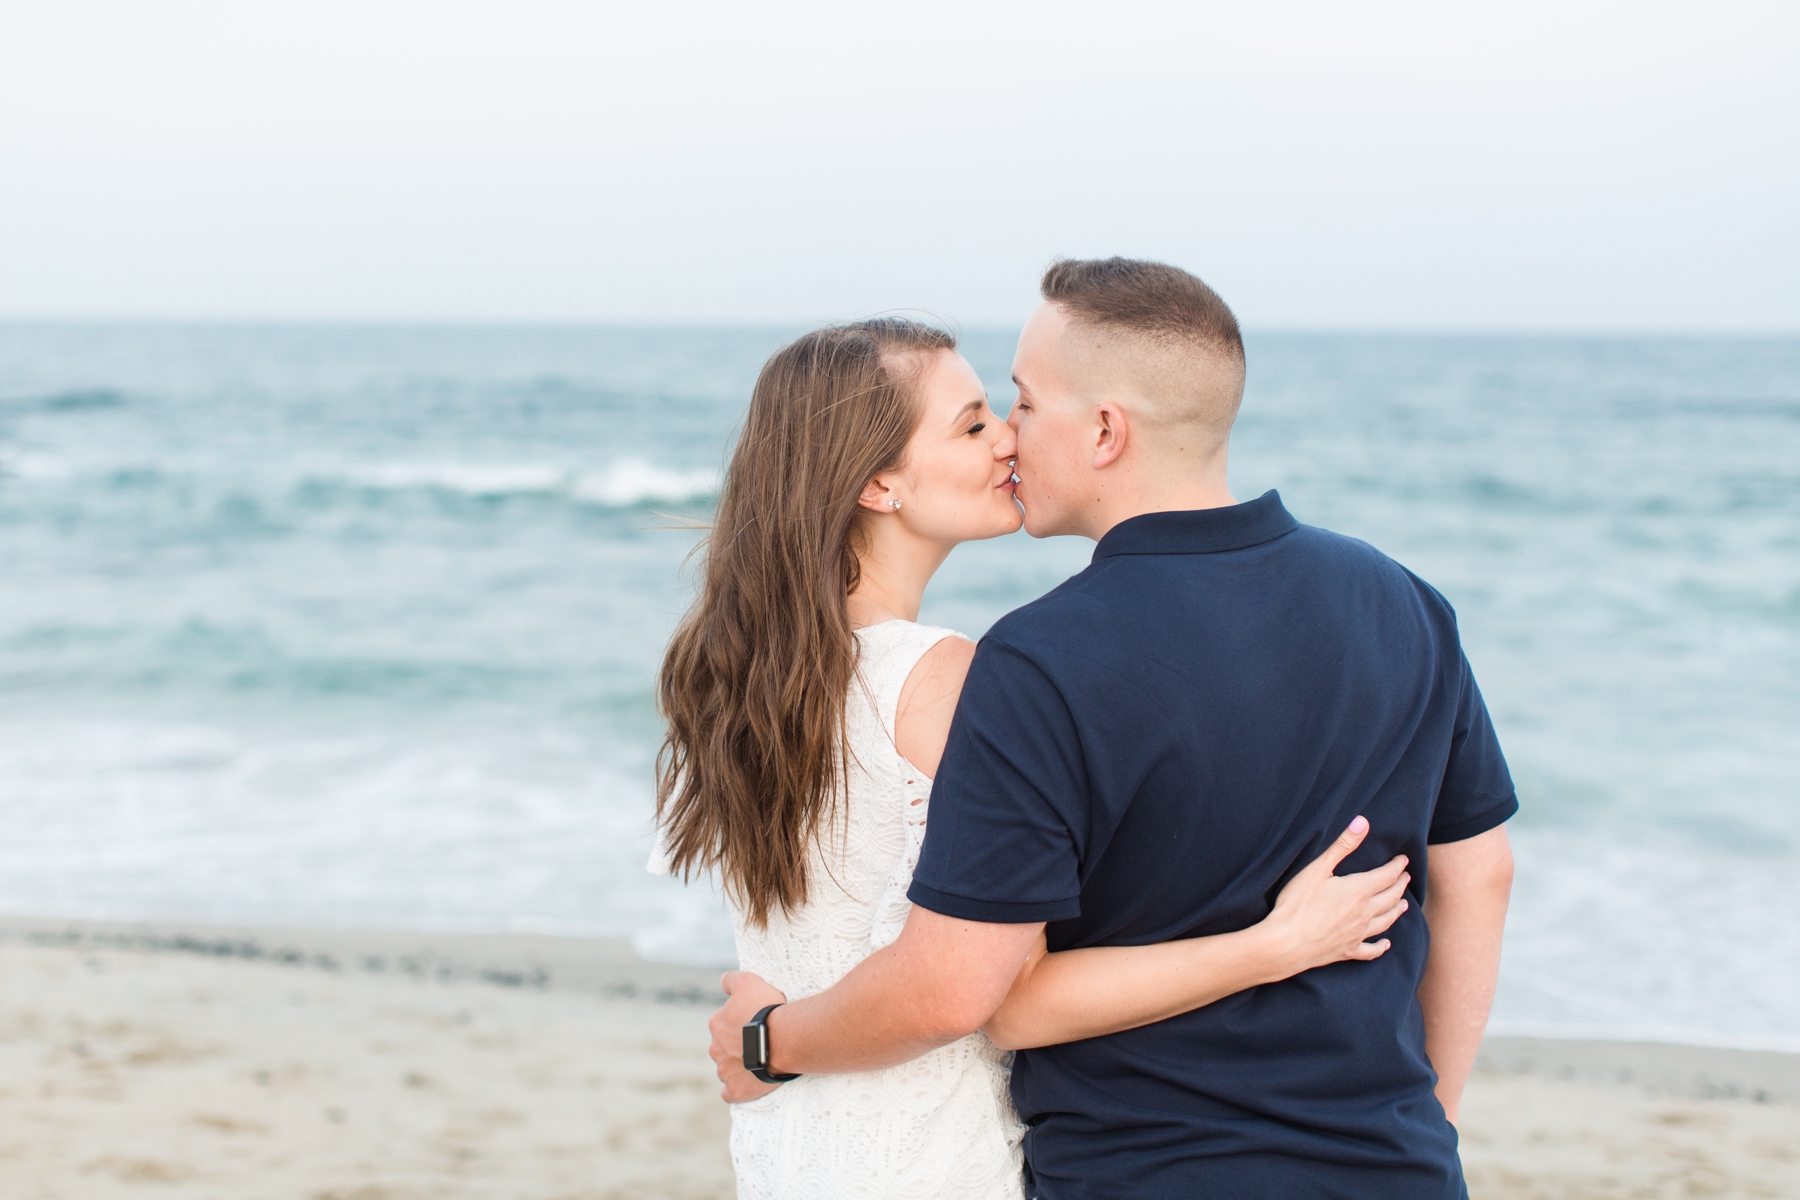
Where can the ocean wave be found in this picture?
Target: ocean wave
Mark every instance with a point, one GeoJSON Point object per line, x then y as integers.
{"type": "Point", "coordinates": [69, 400]}
{"type": "Point", "coordinates": [624, 484]}
{"type": "Point", "coordinates": [83, 400]}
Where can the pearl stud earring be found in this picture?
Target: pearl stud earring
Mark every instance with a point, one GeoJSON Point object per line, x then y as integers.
{"type": "Point", "coordinates": [894, 504]}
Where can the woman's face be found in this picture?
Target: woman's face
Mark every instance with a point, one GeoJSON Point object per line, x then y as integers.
{"type": "Point", "coordinates": [956, 483]}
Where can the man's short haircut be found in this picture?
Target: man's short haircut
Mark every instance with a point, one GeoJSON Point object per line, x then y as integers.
{"type": "Point", "coordinates": [1164, 334]}
{"type": "Point", "coordinates": [1150, 299]}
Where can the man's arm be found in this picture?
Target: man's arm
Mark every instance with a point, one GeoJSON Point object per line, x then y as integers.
{"type": "Point", "coordinates": [1467, 891]}
{"type": "Point", "coordinates": [940, 980]}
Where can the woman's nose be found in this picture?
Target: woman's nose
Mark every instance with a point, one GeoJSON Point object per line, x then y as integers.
{"type": "Point", "coordinates": [1006, 444]}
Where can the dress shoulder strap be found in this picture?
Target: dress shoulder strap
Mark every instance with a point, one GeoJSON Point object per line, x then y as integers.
{"type": "Point", "coordinates": [889, 653]}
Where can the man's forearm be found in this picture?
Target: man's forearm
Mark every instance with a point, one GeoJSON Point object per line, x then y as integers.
{"type": "Point", "coordinates": [940, 981]}
{"type": "Point", "coordinates": [1465, 909]}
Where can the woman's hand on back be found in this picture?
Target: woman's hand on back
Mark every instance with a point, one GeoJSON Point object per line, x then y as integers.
{"type": "Point", "coordinates": [1322, 918]}
{"type": "Point", "coordinates": [1319, 918]}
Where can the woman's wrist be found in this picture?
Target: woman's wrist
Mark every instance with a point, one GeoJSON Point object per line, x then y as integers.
{"type": "Point", "coordinates": [1269, 954]}
{"type": "Point", "coordinates": [777, 1065]}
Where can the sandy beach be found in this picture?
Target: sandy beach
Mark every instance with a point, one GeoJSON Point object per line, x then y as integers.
{"type": "Point", "coordinates": [229, 1064]}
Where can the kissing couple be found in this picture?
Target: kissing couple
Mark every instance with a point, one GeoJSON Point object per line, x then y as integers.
{"type": "Point", "coordinates": [1187, 881]}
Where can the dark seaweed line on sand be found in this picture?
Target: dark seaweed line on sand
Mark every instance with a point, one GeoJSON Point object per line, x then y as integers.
{"type": "Point", "coordinates": [419, 965]}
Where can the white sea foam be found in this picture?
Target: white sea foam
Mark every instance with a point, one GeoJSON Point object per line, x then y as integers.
{"type": "Point", "coordinates": [20, 465]}
{"type": "Point", "coordinates": [632, 481]}
{"type": "Point", "coordinates": [134, 819]}
{"type": "Point", "coordinates": [624, 483]}
{"type": "Point", "coordinates": [471, 480]}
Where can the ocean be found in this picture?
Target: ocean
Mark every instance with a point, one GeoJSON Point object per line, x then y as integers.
{"type": "Point", "coordinates": [359, 625]}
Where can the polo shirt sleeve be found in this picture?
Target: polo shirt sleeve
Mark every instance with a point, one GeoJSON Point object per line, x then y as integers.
{"type": "Point", "coordinates": [1477, 793]}
{"type": "Point", "coordinates": [1002, 842]}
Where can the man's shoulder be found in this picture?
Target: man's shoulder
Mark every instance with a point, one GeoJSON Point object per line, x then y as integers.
{"type": "Point", "coordinates": [1082, 604]}
{"type": "Point", "coordinates": [1317, 541]}
{"type": "Point", "coordinates": [1048, 622]}
{"type": "Point", "coordinates": [1353, 555]}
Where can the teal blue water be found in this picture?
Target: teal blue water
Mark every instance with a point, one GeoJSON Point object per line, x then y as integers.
{"type": "Point", "coordinates": [359, 625]}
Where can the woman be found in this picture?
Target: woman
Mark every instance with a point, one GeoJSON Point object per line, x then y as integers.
{"type": "Point", "coordinates": [807, 714]}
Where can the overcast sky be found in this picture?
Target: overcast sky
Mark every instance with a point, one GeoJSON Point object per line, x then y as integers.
{"type": "Point", "coordinates": [1398, 165]}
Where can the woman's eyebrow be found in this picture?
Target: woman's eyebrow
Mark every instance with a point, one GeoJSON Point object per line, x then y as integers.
{"type": "Point", "coordinates": [973, 404]}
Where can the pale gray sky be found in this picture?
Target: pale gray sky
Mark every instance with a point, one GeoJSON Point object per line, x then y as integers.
{"type": "Point", "coordinates": [1414, 165]}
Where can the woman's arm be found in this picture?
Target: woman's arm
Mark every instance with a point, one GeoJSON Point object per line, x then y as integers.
{"type": "Point", "coordinates": [1319, 918]}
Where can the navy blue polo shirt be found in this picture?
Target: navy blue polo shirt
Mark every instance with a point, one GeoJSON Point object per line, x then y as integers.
{"type": "Point", "coordinates": [1151, 751]}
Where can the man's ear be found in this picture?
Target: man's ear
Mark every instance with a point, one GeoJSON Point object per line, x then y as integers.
{"type": "Point", "coordinates": [875, 496]}
{"type": "Point", "coordinates": [1112, 429]}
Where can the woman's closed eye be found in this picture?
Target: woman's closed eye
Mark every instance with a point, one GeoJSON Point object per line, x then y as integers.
{"type": "Point", "coordinates": [977, 427]}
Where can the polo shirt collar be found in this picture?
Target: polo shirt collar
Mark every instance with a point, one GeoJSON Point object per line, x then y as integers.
{"type": "Point", "coordinates": [1200, 531]}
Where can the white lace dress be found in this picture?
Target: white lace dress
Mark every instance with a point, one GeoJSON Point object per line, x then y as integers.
{"type": "Point", "coordinates": [940, 1127]}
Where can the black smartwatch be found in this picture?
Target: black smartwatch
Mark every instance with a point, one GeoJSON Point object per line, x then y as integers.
{"type": "Point", "coordinates": [756, 1048]}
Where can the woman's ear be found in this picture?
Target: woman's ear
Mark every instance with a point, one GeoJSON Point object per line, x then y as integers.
{"type": "Point", "coordinates": [875, 496]}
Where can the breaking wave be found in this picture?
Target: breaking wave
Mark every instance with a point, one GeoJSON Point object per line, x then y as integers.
{"type": "Point", "coordinates": [624, 484]}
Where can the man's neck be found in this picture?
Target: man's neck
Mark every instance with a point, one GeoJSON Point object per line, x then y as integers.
{"type": "Point", "coordinates": [1133, 495]}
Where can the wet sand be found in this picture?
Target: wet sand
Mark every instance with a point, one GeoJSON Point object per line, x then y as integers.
{"type": "Point", "coordinates": [204, 1063]}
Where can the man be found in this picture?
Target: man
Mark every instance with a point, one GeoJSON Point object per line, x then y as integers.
{"type": "Point", "coordinates": [1149, 752]}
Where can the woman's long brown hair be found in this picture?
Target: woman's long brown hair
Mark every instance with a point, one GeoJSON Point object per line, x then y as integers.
{"type": "Point", "coordinates": [754, 681]}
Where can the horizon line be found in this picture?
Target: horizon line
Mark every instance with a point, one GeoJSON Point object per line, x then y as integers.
{"type": "Point", "coordinates": [1312, 329]}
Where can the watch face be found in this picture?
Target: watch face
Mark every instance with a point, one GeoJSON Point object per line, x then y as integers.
{"type": "Point", "coordinates": [756, 1046]}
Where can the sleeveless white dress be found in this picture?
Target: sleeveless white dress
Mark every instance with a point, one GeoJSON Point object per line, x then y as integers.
{"type": "Point", "coordinates": [940, 1127]}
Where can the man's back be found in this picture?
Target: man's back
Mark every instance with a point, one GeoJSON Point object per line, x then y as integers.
{"type": "Point", "coordinates": [1150, 752]}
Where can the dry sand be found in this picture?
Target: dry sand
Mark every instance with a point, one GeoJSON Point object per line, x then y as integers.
{"type": "Point", "coordinates": [212, 1064]}
{"type": "Point", "coordinates": [1550, 1120]}
{"type": "Point", "coordinates": [226, 1072]}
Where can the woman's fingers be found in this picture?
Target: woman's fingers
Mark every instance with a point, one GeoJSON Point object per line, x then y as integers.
{"type": "Point", "coordinates": [1370, 951]}
{"type": "Point", "coordinates": [1341, 847]}
{"type": "Point", "coordinates": [1391, 893]}
{"type": "Point", "coordinates": [1378, 879]}
{"type": "Point", "coordinates": [1383, 920]}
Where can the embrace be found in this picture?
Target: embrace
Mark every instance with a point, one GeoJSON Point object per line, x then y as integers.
{"type": "Point", "coordinates": [1187, 881]}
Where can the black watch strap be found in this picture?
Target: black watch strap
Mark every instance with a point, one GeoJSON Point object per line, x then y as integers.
{"type": "Point", "coordinates": [756, 1048]}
